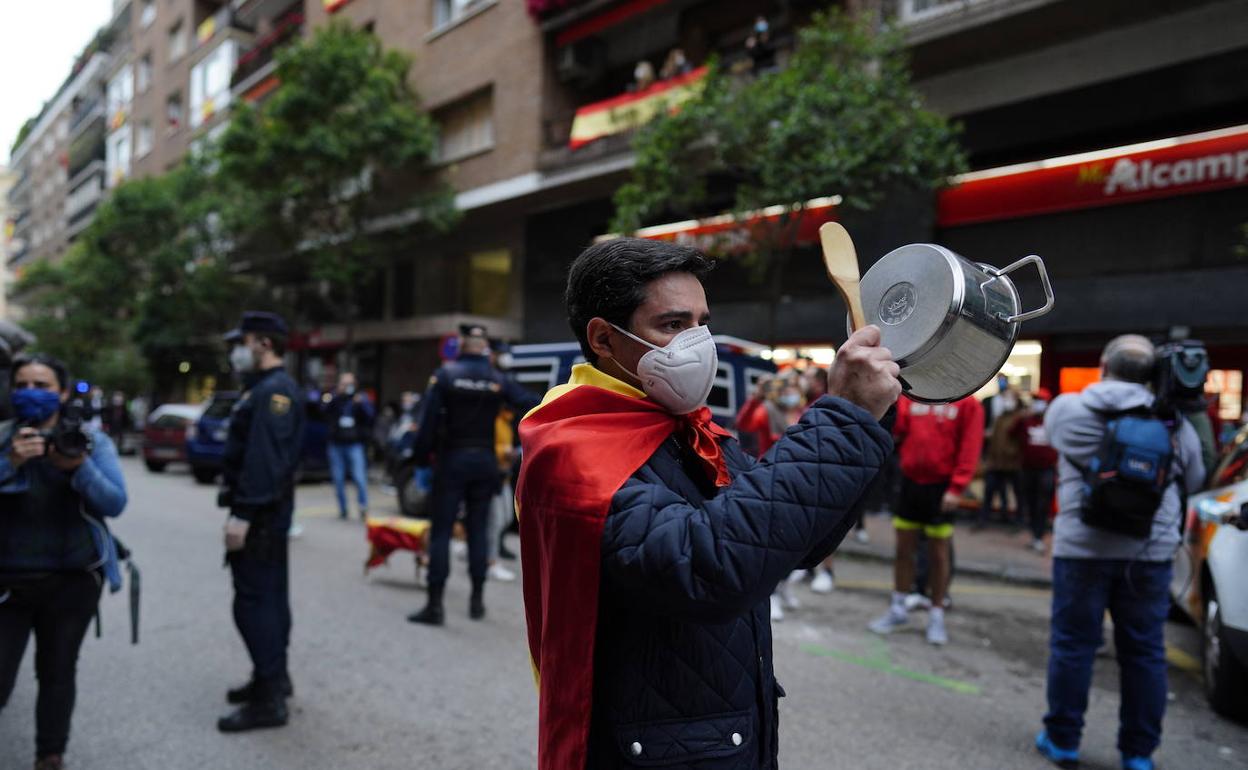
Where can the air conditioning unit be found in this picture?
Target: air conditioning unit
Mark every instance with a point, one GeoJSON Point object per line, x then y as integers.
{"type": "Point", "coordinates": [581, 63]}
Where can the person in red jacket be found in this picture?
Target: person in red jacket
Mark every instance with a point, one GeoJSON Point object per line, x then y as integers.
{"type": "Point", "coordinates": [1039, 468]}
{"type": "Point", "coordinates": [939, 446]}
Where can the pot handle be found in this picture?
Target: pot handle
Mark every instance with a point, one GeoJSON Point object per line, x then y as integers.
{"type": "Point", "coordinates": [1044, 281]}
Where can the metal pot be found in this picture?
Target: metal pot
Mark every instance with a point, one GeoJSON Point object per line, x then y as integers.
{"type": "Point", "coordinates": [949, 322]}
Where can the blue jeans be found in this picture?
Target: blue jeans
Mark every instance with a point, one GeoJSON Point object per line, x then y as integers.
{"type": "Point", "coordinates": [1137, 597]}
{"type": "Point", "coordinates": [344, 457]}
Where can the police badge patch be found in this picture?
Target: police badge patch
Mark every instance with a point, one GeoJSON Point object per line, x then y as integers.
{"type": "Point", "coordinates": [279, 404]}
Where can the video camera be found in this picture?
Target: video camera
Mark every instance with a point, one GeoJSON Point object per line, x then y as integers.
{"type": "Point", "coordinates": [1179, 379]}
{"type": "Point", "coordinates": [67, 436]}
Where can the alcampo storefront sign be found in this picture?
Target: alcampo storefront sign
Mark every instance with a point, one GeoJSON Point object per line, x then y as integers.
{"type": "Point", "coordinates": [1190, 164]}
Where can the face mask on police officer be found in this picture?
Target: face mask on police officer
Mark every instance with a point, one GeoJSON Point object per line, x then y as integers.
{"type": "Point", "coordinates": [243, 359]}
{"type": "Point", "coordinates": [678, 376]}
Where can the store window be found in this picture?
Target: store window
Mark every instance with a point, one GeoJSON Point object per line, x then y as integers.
{"type": "Point", "coordinates": [466, 127]}
{"type": "Point", "coordinates": [1228, 386]}
{"type": "Point", "coordinates": [489, 282]}
{"type": "Point", "coordinates": [210, 82]}
{"type": "Point", "coordinates": [402, 289]}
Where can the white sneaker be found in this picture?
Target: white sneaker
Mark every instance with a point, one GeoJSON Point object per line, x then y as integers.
{"type": "Point", "coordinates": [459, 549]}
{"type": "Point", "coordinates": [862, 536]}
{"type": "Point", "coordinates": [785, 589]}
{"type": "Point", "coordinates": [1037, 545]}
{"type": "Point", "coordinates": [890, 621]}
{"type": "Point", "coordinates": [295, 531]}
{"type": "Point", "coordinates": [936, 633]}
{"type": "Point", "coordinates": [502, 574]}
{"type": "Point", "coordinates": [917, 601]}
{"type": "Point", "coordinates": [823, 582]}
{"type": "Point", "coordinates": [777, 612]}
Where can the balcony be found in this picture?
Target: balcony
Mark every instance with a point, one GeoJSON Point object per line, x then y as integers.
{"type": "Point", "coordinates": [93, 169]}
{"type": "Point", "coordinates": [225, 19]}
{"type": "Point", "coordinates": [256, 65]}
{"type": "Point", "coordinates": [86, 148]}
{"type": "Point", "coordinates": [251, 12]}
{"type": "Point", "coordinates": [929, 19]}
{"type": "Point", "coordinates": [85, 114]}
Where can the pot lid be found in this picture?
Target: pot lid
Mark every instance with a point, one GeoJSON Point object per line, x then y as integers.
{"type": "Point", "coordinates": [910, 293]}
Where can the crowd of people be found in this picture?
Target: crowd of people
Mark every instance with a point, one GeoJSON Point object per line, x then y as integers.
{"type": "Point", "coordinates": [649, 588]}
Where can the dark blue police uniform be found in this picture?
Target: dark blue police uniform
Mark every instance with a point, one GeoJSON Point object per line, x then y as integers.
{"type": "Point", "coordinates": [457, 427]}
{"type": "Point", "coordinates": [261, 455]}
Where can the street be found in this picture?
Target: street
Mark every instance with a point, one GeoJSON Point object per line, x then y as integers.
{"type": "Point", "coordinates": [373, 691]}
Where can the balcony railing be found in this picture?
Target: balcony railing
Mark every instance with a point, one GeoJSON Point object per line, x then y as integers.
{"type": "Point", "coordinates": [86, 112]}
{"type": "Point", "coordinates": [86, 148]}
{"type": "Point", "coordinates": [225, 18]}
{"type": "Point", "coordinates": [631, 110]}
{"type": "Point", "coordinates": [260, 56]}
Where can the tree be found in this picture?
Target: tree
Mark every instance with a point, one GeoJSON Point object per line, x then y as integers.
{"type": "Point", "coordinates": [842, 118]}
{"type": "Point", "coordinates": [146, 286]}
{"type": "Point", "coordinates": [339, 144]}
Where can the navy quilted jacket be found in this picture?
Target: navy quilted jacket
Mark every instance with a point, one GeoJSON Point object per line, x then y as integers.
{"type": "Point", "coordinates": [682, 666]}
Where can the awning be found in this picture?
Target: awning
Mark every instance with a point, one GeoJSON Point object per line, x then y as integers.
{"type": "Point", "coordinates": [1196, 163]}
{"type": "Point", "coordinates": [628, 111]}
{"type": "Point", "coordinates": [732, 234]}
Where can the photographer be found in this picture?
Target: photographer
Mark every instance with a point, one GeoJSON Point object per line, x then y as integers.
{"type": "Point", "coordinates": [59, 481]}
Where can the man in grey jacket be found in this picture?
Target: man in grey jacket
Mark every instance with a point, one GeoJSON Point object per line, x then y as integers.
{"type": "Point", "coordinates": [1095, 570]}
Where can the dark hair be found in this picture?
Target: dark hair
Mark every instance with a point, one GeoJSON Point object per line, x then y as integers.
{"type": "Point", "coordinates": [608, 280]}
{"type": "Point", "coordinates": [276, 341]}
{"type": "Point", "coordinates": [55, 364]}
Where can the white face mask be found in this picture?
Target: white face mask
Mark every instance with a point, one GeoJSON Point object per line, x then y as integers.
{"type": "Point", "coordinates": [679, 375]}
{"type": "Point", "coordinates": [242, 359]}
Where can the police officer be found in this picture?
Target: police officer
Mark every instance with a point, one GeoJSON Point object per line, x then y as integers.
{"type": "Point", "coordinates": [457, 423]}
{"type": "Point", "coordinates": [261, 452]}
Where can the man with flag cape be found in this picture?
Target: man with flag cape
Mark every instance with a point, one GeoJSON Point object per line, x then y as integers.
{"type": "Point", "coordinates": [650, 542]}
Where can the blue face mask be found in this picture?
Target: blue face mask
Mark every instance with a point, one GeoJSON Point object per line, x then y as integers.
{"type": "Point", "coordinates": [34, 405]}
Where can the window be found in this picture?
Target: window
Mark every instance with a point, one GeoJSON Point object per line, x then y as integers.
{"type": "Point", "coordinates": [117, 156]}
{"type": "Point", "coordinates": [448, 11]}
{"type": "Point", "coordinates": [173, 111]}
{"type": "Point", "coordinates": [143, 74]}
{"type": "Point", "coordinates": [177, 42]}
{"type": "Point", "coordinates": [120, 93]}
{"type": "Point", "coordinates": [489, 282]}
{"type": "Point", "coordinates": [466, 127]}
{"type": "Point", "coordinates": [147, 13]}
{"type": "Point", "coordinates": [210, 82]}
{"type": "Point", "coordinates": [143, 142]}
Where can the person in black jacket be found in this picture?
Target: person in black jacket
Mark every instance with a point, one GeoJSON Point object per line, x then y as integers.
{"type": "Point", "coordinates": [651, 542]}
{"type": "Point", "coordinates": [55, 549]}
{"type": "Point", "coordinates": [261, 455]}
{"type": "Point", "coordinates": [350, 416]}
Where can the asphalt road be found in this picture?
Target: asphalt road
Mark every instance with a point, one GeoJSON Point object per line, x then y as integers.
{"type": "Point", "coordinates": [373, 691]}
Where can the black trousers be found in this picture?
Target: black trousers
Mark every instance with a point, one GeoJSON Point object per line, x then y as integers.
{"type": "Point", "coordinates": [469, 476]}
{"type": "Point", "coordinates": [1036, 497]}
{"type": "Point", "coordinates": [58, 609]}
{"type": "Point", "coordinates": [262, 607]}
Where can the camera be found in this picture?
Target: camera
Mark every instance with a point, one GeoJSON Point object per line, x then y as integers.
{"type": "Point", "coordinates": [67, 436]}
{"type": "Point", "coordinates": [1179, 380]}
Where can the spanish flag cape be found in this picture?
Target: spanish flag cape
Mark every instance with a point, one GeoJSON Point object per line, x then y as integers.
{"type": "Point", "coordinates": [580, 445]}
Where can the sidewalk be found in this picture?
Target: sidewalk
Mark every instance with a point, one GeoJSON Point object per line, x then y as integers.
{"type": "Point", "coordinates": [996, 552]}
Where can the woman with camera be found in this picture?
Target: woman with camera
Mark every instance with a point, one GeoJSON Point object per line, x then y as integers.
{"type": "Point", "coordinates": [59, 481]}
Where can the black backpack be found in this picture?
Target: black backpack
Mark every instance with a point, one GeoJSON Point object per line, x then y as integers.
{"type": "Point", "coordinates": [1124, 483]}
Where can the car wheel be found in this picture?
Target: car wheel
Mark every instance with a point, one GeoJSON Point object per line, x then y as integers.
{"type": "Point", "coordinates": [204, 475]}
{"type": "Point", "coordinates": [155, 466]}
{"type": "Point", "coordinates": [1226, 679]}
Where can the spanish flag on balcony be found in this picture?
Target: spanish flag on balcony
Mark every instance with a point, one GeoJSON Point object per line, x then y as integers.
{"type": "Point", "coordinates": [628, 111]}
{"type": "Point", "coordinates": [580, 445]}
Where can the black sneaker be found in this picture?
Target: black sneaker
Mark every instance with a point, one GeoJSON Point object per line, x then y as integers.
{"type": "Point", "coordinates": [254, 716]}
{"type": "Point", "coordinates": [431, 615]}
{"type": "Point", "coordinates": [247, 693]}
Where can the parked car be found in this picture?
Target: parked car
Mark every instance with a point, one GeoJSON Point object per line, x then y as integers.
{"type": "Point", "coordinates": [206, 445]}
{"type": "Point", "coordinates": [165, 435]}
{"type": "Point", "coordinates": [1211, 579]}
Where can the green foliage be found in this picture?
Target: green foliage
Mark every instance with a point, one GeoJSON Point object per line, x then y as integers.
{"type": "Point", "coordinates": [23, 132]}
{"type": "Point", "coordinates": [842, 118]}
{"type": "Point", "coordinates": [146, 286]}
{"type": "Point", "coordinates": [336, 146]}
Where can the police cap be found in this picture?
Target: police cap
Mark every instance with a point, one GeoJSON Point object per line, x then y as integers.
{"type": "Point", "coordinates": [258, 322]}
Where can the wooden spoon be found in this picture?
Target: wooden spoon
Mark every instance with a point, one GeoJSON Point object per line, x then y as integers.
{"type": "Point", "coordinates": [841, 261]}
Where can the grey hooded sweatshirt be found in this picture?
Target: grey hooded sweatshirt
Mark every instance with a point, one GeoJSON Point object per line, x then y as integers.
{"type": "Point", "coordinates": [1075, 431]}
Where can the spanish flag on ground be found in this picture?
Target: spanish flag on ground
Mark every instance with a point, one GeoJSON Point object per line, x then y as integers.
{"type": "Point", "coordinates": [580, 445]}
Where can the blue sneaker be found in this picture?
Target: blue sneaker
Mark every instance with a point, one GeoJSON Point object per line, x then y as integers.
{"type": "Point", "coordinates": [1060, 757]}
{"type": "Point", "coordinates": [1136, 763]}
